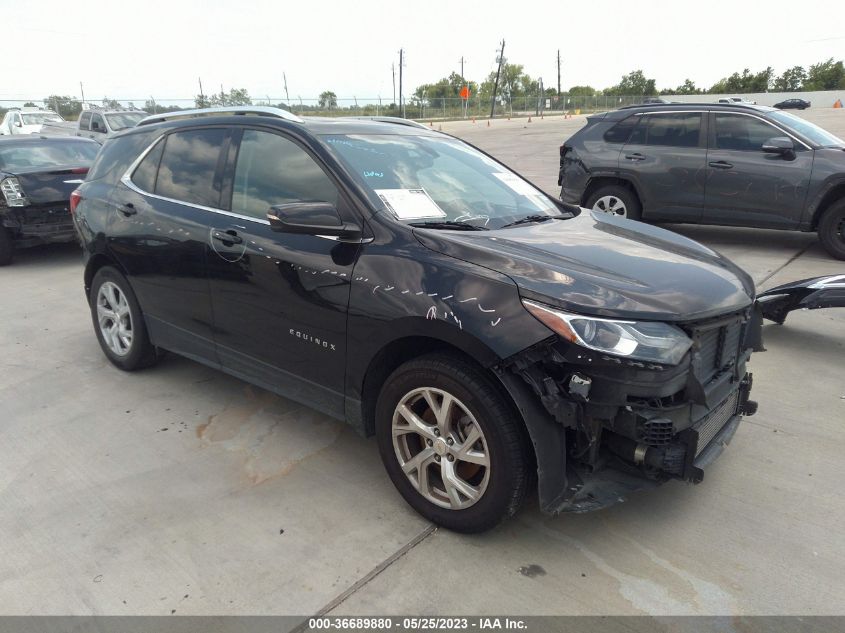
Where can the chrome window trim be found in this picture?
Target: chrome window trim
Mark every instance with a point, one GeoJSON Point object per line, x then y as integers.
{"type": "Point", "coordinates": [126, 179]}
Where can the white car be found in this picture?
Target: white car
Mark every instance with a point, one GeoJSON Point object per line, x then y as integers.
{"type": "Point", "coordinates": [27, 120]}
{"type": "Point", "coordinates": [730, 100]}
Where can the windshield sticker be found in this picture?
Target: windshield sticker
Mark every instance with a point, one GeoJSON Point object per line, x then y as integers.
{"type": "Point", "coordinates": [410, 204]}
{"type": "Point", "coordinates": [517, 184]}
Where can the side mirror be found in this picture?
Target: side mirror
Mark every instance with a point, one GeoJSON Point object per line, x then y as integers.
{"type": "Point", "coordinates": [311, 218]}
{"type": "Point", "coordinates": [779, 145]}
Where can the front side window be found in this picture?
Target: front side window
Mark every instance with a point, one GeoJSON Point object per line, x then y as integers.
{"type": "Point", "coordinates": [273, 170]}
{"type": "Point", "coordinates": [677, 129]}
{"type": "Point", "coordinates": [188, 167]}
{"type": "Point", "coordinates": [421, 177]}
{"type": "Point", "coordinates": [85, 121]}
{"type": "Point", "coordinates": [742, 133]}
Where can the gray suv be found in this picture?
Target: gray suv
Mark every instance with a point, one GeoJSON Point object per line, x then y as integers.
{"type": "Point", "coordinates": [740, 165]}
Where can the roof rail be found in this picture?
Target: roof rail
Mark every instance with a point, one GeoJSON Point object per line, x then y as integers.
{"type": "Point", "coordinates": [392, 119]}
{"type": "Point", "coordinates": [675, 104]}
{"type": "Point", "coordinates": [236, 110]}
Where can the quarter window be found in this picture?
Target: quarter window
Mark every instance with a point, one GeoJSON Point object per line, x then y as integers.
{"type": "Point", "coordinates": [274, 170]}
{"type": "Point", "coordinates": [145, 174]}
{"type": "Point", "coordinates": [678, 129]}
{"type": "Point", "coordinates": [188, 166]}
{"type": "Point", "coordinates": [743, 133]}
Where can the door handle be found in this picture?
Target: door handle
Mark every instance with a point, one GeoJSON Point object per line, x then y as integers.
{"type": "Point", "coordinates": [128, 209]}
{"type": "Point", "coordinates": [720, 164]}
{"type": "Point", "coordinates": [635, 156]}
{"type": "Point", "coordinates": [227, 236]}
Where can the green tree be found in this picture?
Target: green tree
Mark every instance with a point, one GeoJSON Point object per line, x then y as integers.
{"type": "Point", "coordinates": [111, 104]}
{"type": "Point", "coordinates": [827, 75]}
{"type": "Point", "coordinates": [581, 91]}
{"type": "Point", "coordinates": [634, 83]}
{"type": "Point", "coordinates": [202, 101]}
{"type": "Point", "coordinates": [688, 88]}
{"type": "Point", "coordinates": [327, 100]}
{"type": "Point", "coordinates": [67, 107]}
{"type": "Point", "coordinates": [235, 97]}
{"type": "Point", "coordinates": [791, 80]}
{"type": "Point", "coordinates": [29, 104]}
{"type": "Point", "coordinates": [745, 82]}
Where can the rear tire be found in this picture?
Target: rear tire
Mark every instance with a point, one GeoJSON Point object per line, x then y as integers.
{"type": "Point", "coordinates": [118, 321]}
{"type": "Point", "coordinates": [7, 246]}
{"type": "Point", "coordinates": [616, 200]}
{"type": "Point", "coordinates": [831, 229]}
{"type": "Point", "coordinates": [465, 465]}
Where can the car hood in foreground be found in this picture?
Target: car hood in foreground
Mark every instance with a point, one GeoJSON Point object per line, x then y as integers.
{"type": "Point", "coordinates": [607, 266]}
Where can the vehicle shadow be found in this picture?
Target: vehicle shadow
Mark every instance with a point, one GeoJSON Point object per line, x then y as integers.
{"type": "Point", "coordinates": [63, 254]}
{"type": "Point", "coordinates": [750, 238]}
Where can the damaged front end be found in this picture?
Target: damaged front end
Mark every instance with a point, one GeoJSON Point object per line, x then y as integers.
{"type": "Point", "coordinates": [623, 424]}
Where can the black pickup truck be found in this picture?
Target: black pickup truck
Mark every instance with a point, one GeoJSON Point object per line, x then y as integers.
{"type": "Point", "coordinates": [37, 176]}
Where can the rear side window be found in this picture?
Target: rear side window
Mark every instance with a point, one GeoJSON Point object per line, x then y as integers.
{"type": "Point", "coordinates": [621, 132]}
{"type": "Point", "coordinates": [676, 129]}
{"type": "Point", "coordinates": [188, 166]}
{"type": "Point", "coordinates": [85, 121]}
{"type": "Point", "coordinates": [274, 170]}
{"type": "Point", "coordinates": [145, 174]}
{"type": "Point", "coordinates": [742, 133]}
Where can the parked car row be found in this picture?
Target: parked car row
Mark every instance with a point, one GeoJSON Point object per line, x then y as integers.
{"type": "Point", "coordinates": [97, 124]}
{"type": "Point", "coordinates": [487, 334]}
{"type": "Point", "coordinates": [738, 165]}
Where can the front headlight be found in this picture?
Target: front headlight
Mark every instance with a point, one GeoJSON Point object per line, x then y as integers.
{"type": "Point", "coordinates": [644, 340]}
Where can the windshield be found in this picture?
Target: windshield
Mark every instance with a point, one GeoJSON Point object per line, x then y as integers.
{"type": "Point", "coordinates": [123, 120]}
{"type": "Point", "coordinates": [39, 118]}
{"type": "Point", "coordinates": [810, 130]}
{"type": "Point", "coordinates": [48, 154]}
{"type": "Point", "coordinates": [428, 179]}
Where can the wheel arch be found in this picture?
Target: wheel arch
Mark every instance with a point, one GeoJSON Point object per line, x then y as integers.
{"type": "Point", "coordinates": [95, 263]}
{"type": "Point", "coordinates": [596, 182]}
{"type": "Point", "coordinates": [831, 195]}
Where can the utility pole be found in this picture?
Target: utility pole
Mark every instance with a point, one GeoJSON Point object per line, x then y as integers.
{"type": "Point", "coordinates": [82, 91]}
{"type": "Point", "coordinates": [287, 96]}
{"type": "Point", "coordinates": [462, 69]}
{"type": "Point", "coordinates": [202, 96]}
{"type": "Point", "coordinates": [558, 74]}
{"type": "Point", "coordinates": [401, 63]}
{"type": "Point", "coordinates": [393, 72]}
{"type": "Point", "coordinates": [500, 59]}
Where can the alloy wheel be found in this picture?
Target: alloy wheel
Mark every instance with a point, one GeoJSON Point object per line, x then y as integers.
{"type": "Point", "coordinates": [441, 448]}
{"type": "Point", "coordinates": [114, 318]}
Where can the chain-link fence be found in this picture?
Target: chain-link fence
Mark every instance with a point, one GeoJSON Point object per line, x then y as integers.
{"type": "Point", "coordinates": [429, 109]}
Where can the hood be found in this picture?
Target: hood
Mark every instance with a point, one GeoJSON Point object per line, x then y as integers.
{"type": "Point", "coordinates": [606, 266]}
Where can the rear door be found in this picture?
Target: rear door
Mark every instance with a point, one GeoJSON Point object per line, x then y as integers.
{"type": "Point", "coordinates": [665, 158]}
{"type": "Point", "coordinates": [749, 187]}
{"type": "Point", "coordinates": [160, 225]}
{"type": "Point", "coordinates": [280, 300]}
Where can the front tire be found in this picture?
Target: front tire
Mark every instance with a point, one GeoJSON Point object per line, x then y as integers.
{"type": "Point", "coordinates": [831, 229]}
{"type": "Point", "coordinates": [118, 321]}
{"type": "Point", "coordinates": [452, 444]}
{"type": "Point", "coordinates": [7, 246]}
{"type": "Point", "coordinates": [616, 200]}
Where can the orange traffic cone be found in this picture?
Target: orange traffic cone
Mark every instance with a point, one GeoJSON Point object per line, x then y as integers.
{"type": "Point", "coordinates": [838, 103]}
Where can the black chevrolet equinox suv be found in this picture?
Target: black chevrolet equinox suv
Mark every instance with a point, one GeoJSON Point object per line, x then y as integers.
{"type": "Point", "coordinates": [489, 336]}
{"type": "Point", "coordinates": [739, 165]}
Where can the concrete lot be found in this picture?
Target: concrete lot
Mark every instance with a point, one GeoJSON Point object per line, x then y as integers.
{"type": "Point", "coordinates": [182, 490]}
